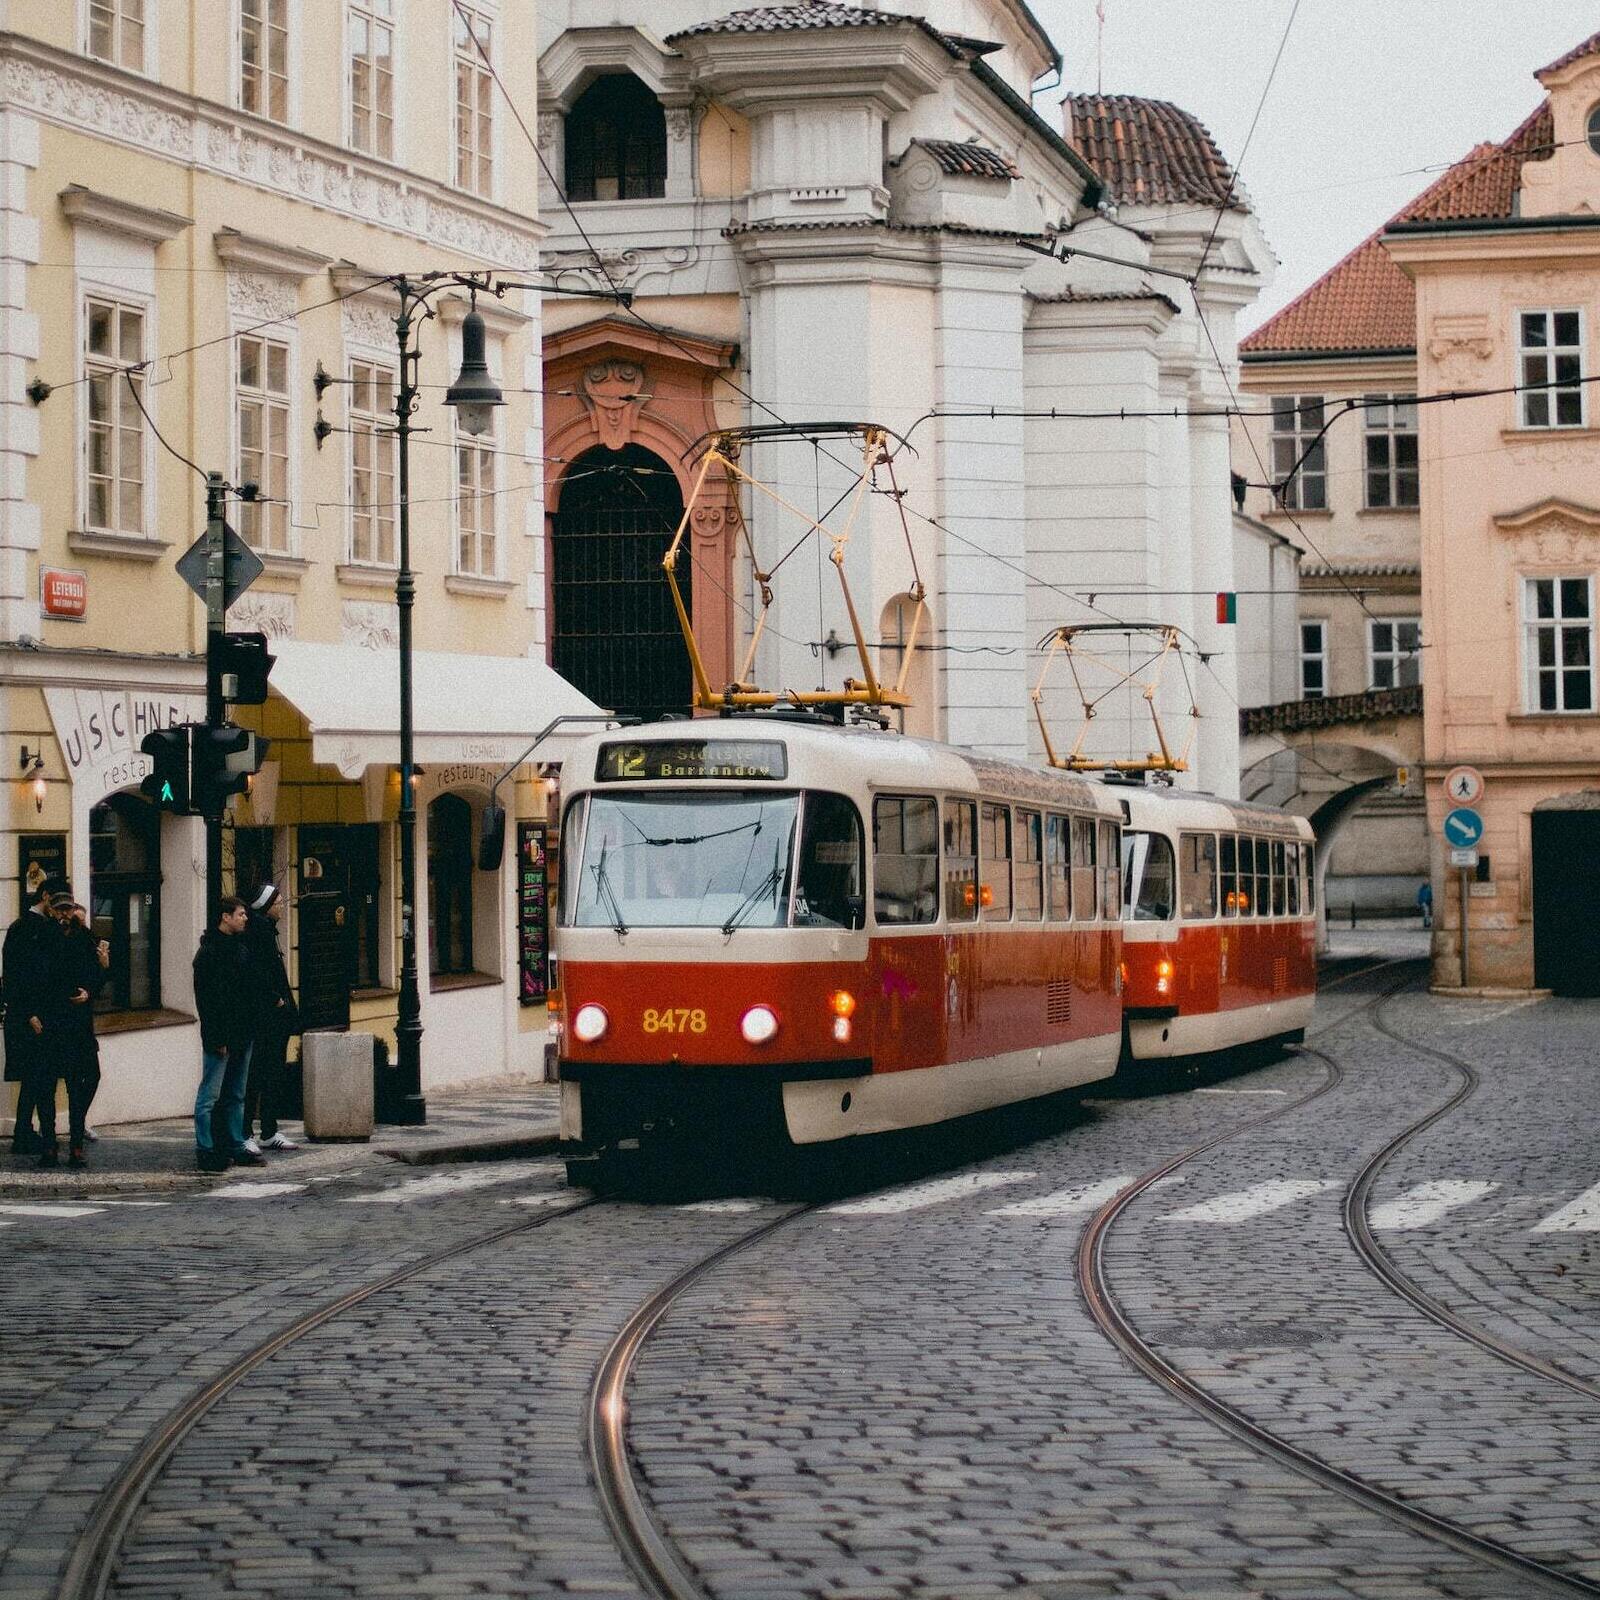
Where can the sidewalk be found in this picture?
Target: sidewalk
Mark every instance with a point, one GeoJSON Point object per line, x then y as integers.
{"type": "Point", "coordinates": [463, 1125]}
{"type": "Point", "coordinates": [1405, 940]}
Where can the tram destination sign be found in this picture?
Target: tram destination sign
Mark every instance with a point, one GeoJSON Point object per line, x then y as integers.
{"type": "Point", "coordinates": [739, 760]}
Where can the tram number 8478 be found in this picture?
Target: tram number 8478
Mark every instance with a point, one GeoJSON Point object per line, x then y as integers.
{"type": "Point", "coordinates": [673, 1019]}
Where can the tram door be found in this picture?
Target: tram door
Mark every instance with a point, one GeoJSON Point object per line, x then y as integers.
{"type": "Point", "coordinates": [1566, 890]}
{"type": "Point", "coordinates": [616, 634]}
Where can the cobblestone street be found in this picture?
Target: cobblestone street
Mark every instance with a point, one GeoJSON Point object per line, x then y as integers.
{"type": "Point", "coordinates": [906, 1388]}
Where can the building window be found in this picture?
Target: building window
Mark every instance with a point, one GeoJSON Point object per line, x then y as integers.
{"type": "Point", "coordinates": [125, 900]}
{"type": "Point", "coordinates": [477, 553]}
{"type": "Point", "coordinates": [1296, 421]}
{"type": "Point", "coordinates": [1594, 130]}
{"type": "Point", "coordinates": [1559, 617]}
{"type": "Point", "coordinates": [372, 463]}
{"type": "Point", "coordinates": [616, 142]}
{"type": "Point", "coordinates": [1313, 660]}
{"type": "Point", "coordinates": [264, 58]}
{"type": "Point", "coordinates": [1394, 652]}
{"type": "Point", "coordinates": [372, 77]}
{"type": "Point", "coordinates": [1551, 348]}
{"type": "Point", "coordinates": [1391, 451]}
{"type": "Point", "coordinates": [474, 104]}
{"type": "Point", "coordinates": [117, 32]}
{"type": "Point", "coordinates": [262, 400]}
{"type": "Point", "coordinates": [450, 885]}
{"type": "Point", "coordinates": [114, 338]}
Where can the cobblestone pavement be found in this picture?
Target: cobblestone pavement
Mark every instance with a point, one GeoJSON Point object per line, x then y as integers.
{"type": "Point", "coordinates": [898, 1394]}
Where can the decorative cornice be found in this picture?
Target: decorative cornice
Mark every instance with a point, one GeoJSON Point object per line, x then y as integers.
{"type": "Point", "coordinates": [663, 344]}
{"type": "Point", "coordinates": [89, 206]}
{"type": "Point", "coordinates": [99, 100]}
{"type": "Point", "coordinates": [1549, 510]}
{"type": "Point", "coordinates": [1289, 716]}
{"type": "Point", "coordinates": [247, 253]}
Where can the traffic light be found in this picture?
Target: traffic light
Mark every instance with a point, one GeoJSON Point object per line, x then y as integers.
{"type": "Point", "coordinates": [168, 782]}
{"type": "Point", "coordinates": [244, 664]}
{"type": "Point", "coordinates": [224, 759]}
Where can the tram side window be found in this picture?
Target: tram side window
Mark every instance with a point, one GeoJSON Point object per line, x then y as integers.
{"type": "Point", "coordinates": [1263, 900]}
{"type": "Point", "coordinates": [1111, 873]}
{"type": "Point", "coordinates": [1228, 874]}
{"type": "Point", "coordinates": [961, 860]}
{"type": "Point", "coordinates": [1308, 856]}
{"type": "Point", "coordinates": [1197, 875]}
{"type": "Point", "coordinates": [1058, 867]}
{"type": "Point", "coordinates": [832, 872]}
{"type": "Point", "coordinates": [1028, 867]}
{"type": "Point", "coordinates": [1292, 852]}
{"type": "Point", "coordinates": [1280, 902]}
{"type": "Point", "coordinates": [905, 859]}
{"type": "Point", "coordinates": [995, 897]}
{"type": "Point", "coordinates": [1085, 895]}
{"type": "Point", "coordinates": [570, 878]}
{"type": "Point", "coordinates": [1147, 888]}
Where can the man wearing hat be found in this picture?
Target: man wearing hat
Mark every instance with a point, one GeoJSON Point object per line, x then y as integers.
{"type": "Point", "coordinates": [81, 965]}
{"type": "Point", "coordinates": [28, 962]}
{"type": "Point", "coordinates": [278, 1022]}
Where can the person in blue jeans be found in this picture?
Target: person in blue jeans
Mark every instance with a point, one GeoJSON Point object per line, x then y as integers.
{"type": "Point", "coordinates": [226, 998]}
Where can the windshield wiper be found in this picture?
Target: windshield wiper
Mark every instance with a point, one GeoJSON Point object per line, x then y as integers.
{"type": "Point", "coordinates": [602, 882]}
{"type": "Point", "coordinates": [766, 886]}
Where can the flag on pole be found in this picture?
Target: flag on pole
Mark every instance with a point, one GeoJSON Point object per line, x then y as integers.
{"type": "Point", "coordinates": [1227, 606]}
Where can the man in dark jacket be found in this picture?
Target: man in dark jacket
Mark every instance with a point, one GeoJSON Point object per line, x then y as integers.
{"type": "Point", "coordinates": [278, 1023]}
{"type": "Point", "coordinates": [27, 960]}
{"type": "Point", "coordinates": [226, 996]}
{"type": "Point", "coordinates": [82, 963]}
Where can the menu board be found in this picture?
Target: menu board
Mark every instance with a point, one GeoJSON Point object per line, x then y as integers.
{"type": "Point", "coordinates": [533, 912]}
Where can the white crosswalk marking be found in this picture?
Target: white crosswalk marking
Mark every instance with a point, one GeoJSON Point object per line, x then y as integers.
{"type": "Point", "coordinates": [1581, 1216]}
{"type": "Point", "coordinates": [255, 1191]}
{"type": "Point", "coordinates": [442, 1183]}
{"type": "Point", "coordinates": [551, 1197]}
{"type": "Point", "coordinates": [929, 1194]}
{"type": "Point", "coordinates": [1247, 1203]}
{"type": "Point", "coordinates": [1080, 1197]}
{"type": "Point", "coordinates": [1426, 1203]}
{"type": "Point", "coordinates": [718, 1207]}
{"type": "Point", "coordinates": [46, 1209]}
{"type": "Point", "coordinates": [1242, 1091]}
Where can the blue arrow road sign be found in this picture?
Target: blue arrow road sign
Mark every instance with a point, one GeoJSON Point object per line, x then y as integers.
{"type": "Point", "coordinates": [1463, 828]}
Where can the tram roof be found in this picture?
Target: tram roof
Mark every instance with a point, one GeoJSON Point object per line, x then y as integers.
{"type": "Point", "coordinates": [1185, 808]}
{"type": "Point", "coordinates": [874, 759]}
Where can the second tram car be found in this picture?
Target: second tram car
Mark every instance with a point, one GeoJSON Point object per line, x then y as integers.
{"type": "Point", "coordinates": [820, 931]}
{"type": "Point", "coordinates": [1219, 923]}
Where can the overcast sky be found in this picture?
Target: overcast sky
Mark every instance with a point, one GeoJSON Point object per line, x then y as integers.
{"type": "Point", "coordinates": [1368, 92]}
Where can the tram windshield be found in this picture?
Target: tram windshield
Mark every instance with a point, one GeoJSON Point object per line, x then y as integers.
{"type": "Point", "coordinates": [720, 859]}
{"type": "Point", "coordinates": [1148, 887]}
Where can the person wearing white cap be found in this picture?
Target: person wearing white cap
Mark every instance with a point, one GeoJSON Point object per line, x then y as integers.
{"type": "Point", "coordinates": [279, 1021]}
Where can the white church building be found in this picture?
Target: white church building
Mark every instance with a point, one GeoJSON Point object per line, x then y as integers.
{"type": "Point", "coordinates": [836, 213]}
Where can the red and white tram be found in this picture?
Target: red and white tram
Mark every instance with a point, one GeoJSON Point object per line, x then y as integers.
{"type": "Point", "coordinates": [819, 931]}
{"type": "Point", "coordinates": [1219, 923]}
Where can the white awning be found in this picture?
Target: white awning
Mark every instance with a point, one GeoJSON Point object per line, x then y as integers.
{"type": "Point", "coordinates": [483, 710]}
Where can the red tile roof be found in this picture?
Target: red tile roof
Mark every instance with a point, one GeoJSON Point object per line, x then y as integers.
{"type": "Point", "coordinates": [1151, 152]}
{"type": "Point", "coordinates": [1589, 47]}
{"type": "Point", "coordinates": [971, 160]}
{"type": "Point", "coordinates": [1366, 302]}
{"type": "Point", "coordinates": [808, 15]}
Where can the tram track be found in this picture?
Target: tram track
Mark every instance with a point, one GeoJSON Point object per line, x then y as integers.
{"type": "Point", "coordinates": [1105, 1309]}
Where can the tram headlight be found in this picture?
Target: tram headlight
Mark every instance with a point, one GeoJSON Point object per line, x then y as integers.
{"type": "Point", "coordinates": [1163, 976]}
{"type": "Point", "coordinates": [589, 1022]}
{"type": "Point", "coordinates": [759, 1024]}
{"type": "Point", "coordinates": [842, 1003]}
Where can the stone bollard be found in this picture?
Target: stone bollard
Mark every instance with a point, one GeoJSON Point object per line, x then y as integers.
{"type": "Point", "coordinates": [338, 1085]}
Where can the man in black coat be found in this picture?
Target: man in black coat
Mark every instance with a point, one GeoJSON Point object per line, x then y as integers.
{"type": "Point", "coordinates": [27, 960]}
{"type": "Point", "coordinates": [81, 968]}
{"type": "Point", "coordinates": [278, 1023]}
{"type": "Point", "coordinates": [227, 998]}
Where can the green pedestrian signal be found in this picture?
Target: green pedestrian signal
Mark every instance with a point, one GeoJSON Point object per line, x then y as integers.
{"type": "Point", "coordinates": [168, 782]}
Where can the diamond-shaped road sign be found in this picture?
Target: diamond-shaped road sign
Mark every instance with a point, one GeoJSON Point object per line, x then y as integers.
{"type": "Point", "coordinates": [241, 566]}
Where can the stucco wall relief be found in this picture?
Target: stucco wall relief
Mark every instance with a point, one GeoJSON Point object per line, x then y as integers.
{"type": "Point", "coordinates": [1554, 532]}
{"type": "Point", "coordinates": [1460, 345]}
{"type": "Point", "coordinates": [614, 393]}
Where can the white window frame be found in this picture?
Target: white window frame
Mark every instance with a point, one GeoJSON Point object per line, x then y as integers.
{"type": "Point", "coordinates": [1532, 625]}
{"type": "Point", "coordinates": [152, 51]}
{"type": "Point", "coordinates": [1551, 351]}
{"type": "Point", "coordinates": [396, 153]}
{"type": "Point", "coordinates": [283, 335]}
{"type": "Point", "coordinates": [88, 290]}
{"type": "Point", "coordinates": [369, 356]}
{"type": "Point", "coordinates": [1319, 655]}
{"type": "Point", "coordinates": [487, 447]}
{"type": "Point", "coordinates": [291, 116]}
{"type": "Point", "coordinates": [488, 13]}
{"type": "Point", "coordinates": [1398, 656]}
{"type": "Point", "coordinates": [1294, 498]}
{"type": "Point", "coordinates": [1382, 408]}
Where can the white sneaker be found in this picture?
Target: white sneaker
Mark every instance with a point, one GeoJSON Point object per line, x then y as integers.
{"type": "Point", "coordinates": [91, 1136]}
{"type": "Point", "coordinates": [251, 1145]}
{"type": "Point", "coordinates": [279, 1142]}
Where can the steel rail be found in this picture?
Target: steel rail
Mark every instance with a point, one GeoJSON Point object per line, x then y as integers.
{"type": "Point", "coordinates": [93, 1558]}
{"type": "Point", "coordinates": [1383, 1264]}
{"type": "Point", "coordinates": [650, 1555]}
{"type": "Point", "coordinates": [1107, 1312]}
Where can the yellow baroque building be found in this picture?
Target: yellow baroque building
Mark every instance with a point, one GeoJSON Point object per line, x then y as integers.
{"type": "Point", "coordinates": [199, 200]}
